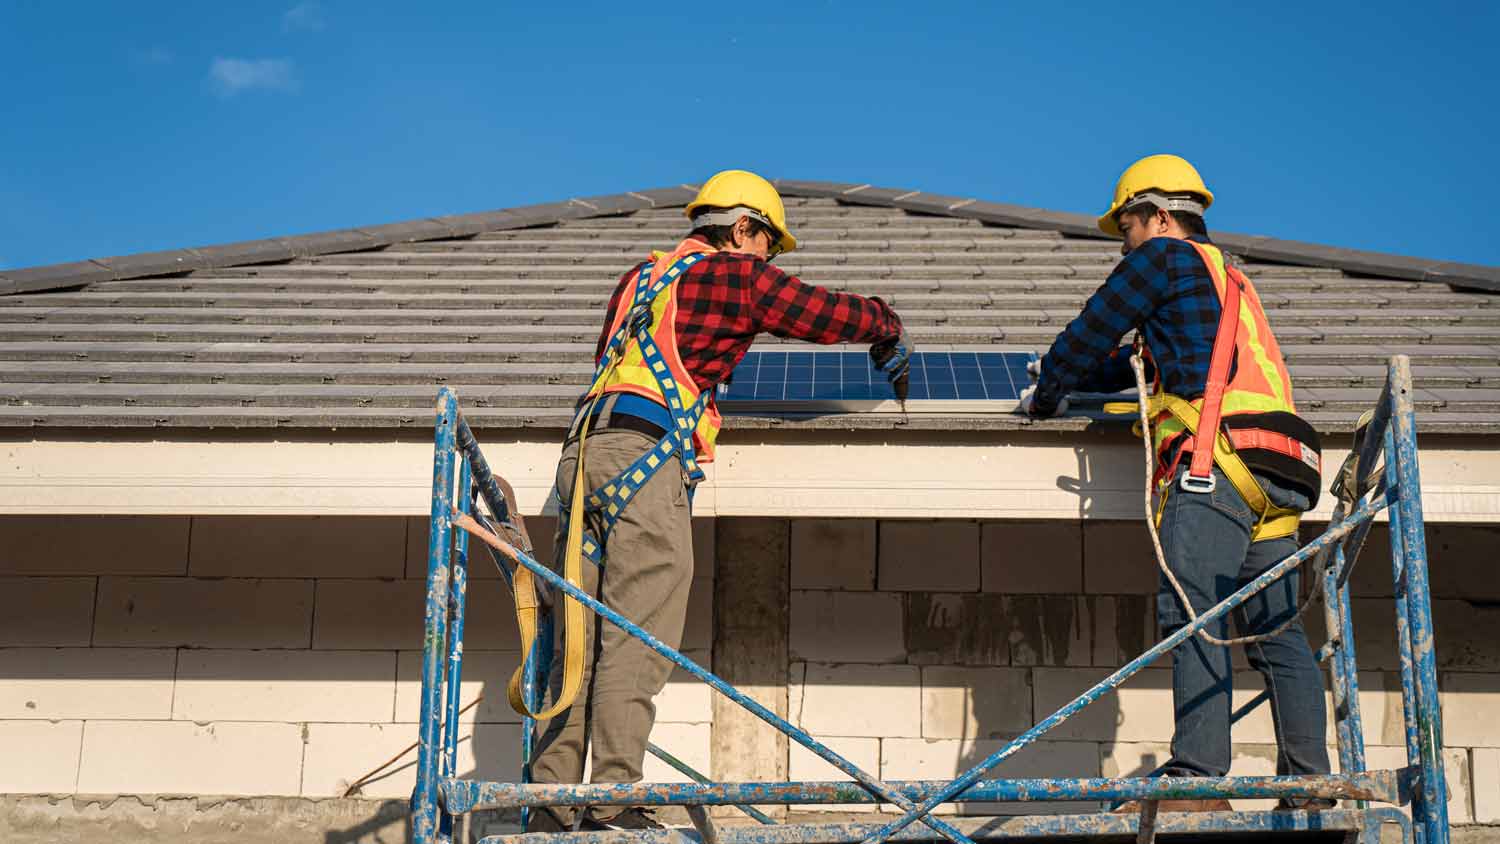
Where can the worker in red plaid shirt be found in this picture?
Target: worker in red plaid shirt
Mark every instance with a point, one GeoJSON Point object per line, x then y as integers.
{"type": "Point", "coordinates": [727, 292]}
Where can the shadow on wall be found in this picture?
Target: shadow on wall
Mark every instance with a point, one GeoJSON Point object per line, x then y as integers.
{"type": "Point", "coordinates": [1069, 750]}
{"type": "Point", "coordinates": [486, 751]}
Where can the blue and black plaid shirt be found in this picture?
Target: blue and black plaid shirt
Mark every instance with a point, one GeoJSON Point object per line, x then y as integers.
{"type": "Point", "coordinates": [1162, 288]}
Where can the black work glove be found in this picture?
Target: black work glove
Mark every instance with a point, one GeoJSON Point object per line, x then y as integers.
{"type": "Point", "coordinates": [893, 357]}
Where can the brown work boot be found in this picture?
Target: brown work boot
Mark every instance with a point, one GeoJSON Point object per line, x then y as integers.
{"type": "Point", "coordinates": [1217, 804]}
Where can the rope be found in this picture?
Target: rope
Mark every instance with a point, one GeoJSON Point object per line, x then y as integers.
{"type": "Point", "coordinates": [1139, 368]}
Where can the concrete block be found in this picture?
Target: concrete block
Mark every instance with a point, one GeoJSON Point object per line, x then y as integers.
{"type": "Point", "coordinates": [416, 550]}
{"type": "Point", "coordinates": [1380, 708]}
{"type": "Point", "coordinates": [1253, 760]}
{"type": "Point", "coordinates": [1471, 709]}
{"type": "Point", "coordinates": [55, 611]}
{"type": "Point", "coordinates": [750, 621]}
{"type": "Point", "coordinates": [948, 629]}
{"type": "Point", "coordinates": [55, 545]}
{"type": "Point", "coordinates": [1455, 769]}
{"type": "Point", "coordinates": [943, 759]}
{"type": "Point", "coordinates": [931, 556]}
{"type": "Point", "coordinates": [481, 565]}
{"type": "Point", "coordinates": [298, 546]}
{"type": "Point", "coordinates": [990, 629]}
{"type": "Point", "coordinates": [338, 754]}
{"type": "Point", "coordinates": [1468, 634]}
{"type": "Point", "coordinates": [1139, 711]}
{"type": "Point", "coordinates": [987, 703]}
{"type": "Point", "coordinates": [698, 632]}
{"type": "Point", "coordinates": [691, 743]}
{"type": "Point", "coordinates": [1027, 557]}
{"type": "Point", "coordinates": [846, 627]}
{"type": "Point", "coordinates": [1461, 561]}
{"type": "Point", "coordinates": [484, 673]}
{"type": "Point", "coordinates": [804, 766]}
{"type": "Point", "coordinates": [180, 757]}
{"type": "Point", "coordinates": [42, 756]}
{"type": "Point", "coordinates": [856, 700]}
{"type": "Point", "coordinates": [833, 554]}
{"type": "Point", "coordinates": [60, 683]}
{"type": "Point", "coordinates": [1124, 626]}
{"type": "Point", "coordinates": [388, 614]}
{"type": "Point", "coordinates": [703, 547]}
{"type": "Point", "coordinates": [1371, 577]}
{"type": "Point", "coordinates": [1049, 630]}
{"type": "Point", "coordinates": [686, 699]}
{"type": "Point", "coordinates": [189, 612]}
{"type": "Point", "coordinates": [274, 685]}
{"type": "Point", "coordinates": [1485, 763]}
{"type": "Point", "coordinates": [1118, 559]}
{"type": "Point", "coordinates": [1132, 758]}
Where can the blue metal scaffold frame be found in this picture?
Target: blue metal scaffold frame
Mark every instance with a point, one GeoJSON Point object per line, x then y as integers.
{"type": "Point", "coordinates": [461, 478]}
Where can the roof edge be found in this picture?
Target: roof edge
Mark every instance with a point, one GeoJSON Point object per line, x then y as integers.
{"type": "Point", "coordinates": [269, 250]}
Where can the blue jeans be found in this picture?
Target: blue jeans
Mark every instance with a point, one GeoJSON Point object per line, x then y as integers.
{"type": "Point", "coordinates": [1206, 537]}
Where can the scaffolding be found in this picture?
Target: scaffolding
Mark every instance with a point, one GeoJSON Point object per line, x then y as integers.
{"type": "Point", "coordinates": [1384, 478]}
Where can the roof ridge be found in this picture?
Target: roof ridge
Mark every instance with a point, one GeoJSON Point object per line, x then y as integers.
{"type": "Point", "coordinates": [270, 250]}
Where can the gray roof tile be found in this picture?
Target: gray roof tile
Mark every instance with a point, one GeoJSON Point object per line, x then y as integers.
{"type": "Point", "coordinates": [506, 306]}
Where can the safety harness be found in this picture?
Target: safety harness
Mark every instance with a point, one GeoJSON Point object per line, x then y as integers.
{"type": "Point", "coordinates": [609, 500]}
{"type": "Point", "coordinates": [1213, 438]}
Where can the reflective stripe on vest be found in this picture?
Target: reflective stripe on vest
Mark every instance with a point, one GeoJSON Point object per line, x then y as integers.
{"type": "Point", "coordinates": [1261, 383]}
{"type": "Point", "coordinates": [633, 375]}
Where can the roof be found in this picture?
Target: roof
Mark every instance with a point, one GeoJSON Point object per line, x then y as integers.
{"type": "Point", "coordinates": [355, 328]}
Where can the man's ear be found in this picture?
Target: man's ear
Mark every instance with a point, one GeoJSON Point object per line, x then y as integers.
{"type": "Point", "coordinates": [739, 232]}
{"type": "Point", "coordinates": [1163, 219]}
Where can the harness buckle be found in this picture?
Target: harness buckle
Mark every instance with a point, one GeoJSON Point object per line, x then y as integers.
{"type": "Point", "coordinates": [1188, 483]}
{"type": "Point", "coordinates": [640, 320]}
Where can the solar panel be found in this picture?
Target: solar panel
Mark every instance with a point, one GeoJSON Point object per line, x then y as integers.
{"type": "Point", "coordinates": [846, 381]}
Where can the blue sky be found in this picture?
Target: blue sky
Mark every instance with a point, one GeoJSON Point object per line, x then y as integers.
{"type": "Point", "coordinates": [141, 126]}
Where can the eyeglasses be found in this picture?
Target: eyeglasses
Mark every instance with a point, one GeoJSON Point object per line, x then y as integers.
{"type": "Point", "coordinates": [773, 237]}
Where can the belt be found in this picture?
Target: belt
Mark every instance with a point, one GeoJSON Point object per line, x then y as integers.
{"type": "Point", "coordinates": [1251, 438]}
{"type": "Point", "coordinates": [625, 412]}
{"type": "Point", "coordinates": [1274, 441]}
{"type": "Point", "coordinates": [618, 421]}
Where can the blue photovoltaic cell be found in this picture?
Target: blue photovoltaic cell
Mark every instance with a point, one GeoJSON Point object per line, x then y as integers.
{"type": "Point", "coordinates": [826, 376]}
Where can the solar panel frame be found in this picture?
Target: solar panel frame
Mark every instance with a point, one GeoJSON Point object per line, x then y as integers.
{"type": "Point", "coordinates": [845, 381]}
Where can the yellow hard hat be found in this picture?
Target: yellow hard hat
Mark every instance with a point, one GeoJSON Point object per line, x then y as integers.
{"type": "Point", "coordinates": [745, 192]}
{"type": "Point", "coordinates": [1164, 175]}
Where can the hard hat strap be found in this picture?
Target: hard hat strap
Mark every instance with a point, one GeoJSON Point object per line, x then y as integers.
{"type": "Point", "coordinates": [1161, 200]}
{"type": "Point", "coordinates": [731, 216]}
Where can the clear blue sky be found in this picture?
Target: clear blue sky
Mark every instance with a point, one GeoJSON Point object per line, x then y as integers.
{"type": "Point", "coordinates": [138, 126]}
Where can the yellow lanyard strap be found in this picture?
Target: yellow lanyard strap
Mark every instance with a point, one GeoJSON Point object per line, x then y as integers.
{"type": "Point", "coordinates": [524, 588]}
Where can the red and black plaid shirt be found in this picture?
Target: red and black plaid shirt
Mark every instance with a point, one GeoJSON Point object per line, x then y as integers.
{"type": "Point", "coordinates": [727, 298]}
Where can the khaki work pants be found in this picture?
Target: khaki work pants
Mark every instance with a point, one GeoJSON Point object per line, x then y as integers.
{"type": "Point", "coordinates": [648, 570]}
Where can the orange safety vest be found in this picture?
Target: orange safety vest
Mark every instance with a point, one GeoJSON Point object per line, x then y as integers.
{"type": "Point", "coordinates": [1244, 418]}
{"type": "Point", "coordinates": [633, 375]}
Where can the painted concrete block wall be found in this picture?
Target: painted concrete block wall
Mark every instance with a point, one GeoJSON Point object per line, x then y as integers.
{"type": "Point", "coordinates": [927, 644]}
{"type": "Point", "coordinates": [257, 656]}
{"type": "Point", "coordinates": [275, 656]}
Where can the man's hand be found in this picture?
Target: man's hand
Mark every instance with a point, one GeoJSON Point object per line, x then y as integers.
{"type": "Point", "coordinates": [1030, 408]}
{"type": "Point", "coordinates": [893, 357]}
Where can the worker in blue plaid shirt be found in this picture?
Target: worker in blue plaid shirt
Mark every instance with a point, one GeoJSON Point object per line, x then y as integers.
{"type": "Point", "coordinates": [1163, 288]}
